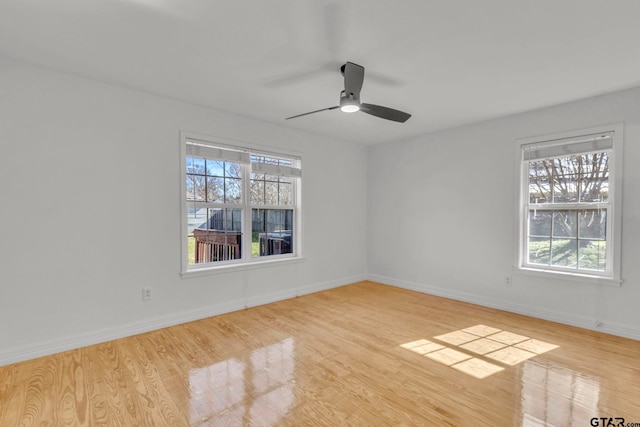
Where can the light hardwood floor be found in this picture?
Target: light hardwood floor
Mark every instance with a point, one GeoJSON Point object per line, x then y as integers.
{"type": "Point", "coordinates": [363, 354]}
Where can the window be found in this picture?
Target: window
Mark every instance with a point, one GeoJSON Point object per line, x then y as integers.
{"type": "Point", "coordinates": [239, 205]}
{"type": "Point", "coordinates": [569, 213]}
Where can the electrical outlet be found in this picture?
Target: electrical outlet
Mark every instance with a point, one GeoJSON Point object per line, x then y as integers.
{"type": "Point", "coordinates": [146, 294]}
{"type": "Point", "coordinates": [508, 280]}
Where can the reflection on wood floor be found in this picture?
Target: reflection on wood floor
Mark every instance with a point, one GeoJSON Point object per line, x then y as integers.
{"type": "Point", "coordinates": [364, 354]}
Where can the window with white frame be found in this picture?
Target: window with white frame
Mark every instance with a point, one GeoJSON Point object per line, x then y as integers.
{"type": "Point", "coordinates": [570, 204]}
{"type": "Point", "coordinates": [239, 204]}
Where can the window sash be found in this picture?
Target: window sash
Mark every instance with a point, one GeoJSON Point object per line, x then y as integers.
{"type": "Point", "coordinates": [576, 237]}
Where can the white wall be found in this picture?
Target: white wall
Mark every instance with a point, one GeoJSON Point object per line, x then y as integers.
{"type": "Point", "coordinates": [442, 214]}
{"type": "Point", "coordinates": [89, 180]}
{"type": "Point", "coordinates": [90, 187]}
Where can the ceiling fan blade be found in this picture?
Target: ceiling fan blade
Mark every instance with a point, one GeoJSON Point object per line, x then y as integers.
{"type": "Point", "coordinates": [385, 112]}
{"type": "Point", "coordinates": [312, 112]}
{"type": "Point", "coordinates": [353, 78]}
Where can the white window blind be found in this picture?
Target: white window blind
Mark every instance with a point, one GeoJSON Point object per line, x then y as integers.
{"type": "Point", "coordinates": [198, 149]}
{"type": "Point", "coordinates": [271, 169]}
{"type": "Point", "coordinates": [568, 147]}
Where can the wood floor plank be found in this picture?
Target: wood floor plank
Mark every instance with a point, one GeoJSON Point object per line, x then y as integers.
{"type": "Point", "coordinates": [339, 357]}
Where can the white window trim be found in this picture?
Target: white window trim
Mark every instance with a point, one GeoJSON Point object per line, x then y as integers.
{"type": "Point", "coordinates": [244, 264]}
{"type": "Point", "coordinates": [614, 241]}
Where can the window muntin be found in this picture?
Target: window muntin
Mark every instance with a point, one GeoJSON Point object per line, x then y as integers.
{"type": "Point", "coordinates": [568, 206]}
{"type": "Point", "coordinates": [236, 198]}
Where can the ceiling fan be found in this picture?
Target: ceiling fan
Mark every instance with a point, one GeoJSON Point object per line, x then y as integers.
{"type": "Point", "coordinates": [350, 98]}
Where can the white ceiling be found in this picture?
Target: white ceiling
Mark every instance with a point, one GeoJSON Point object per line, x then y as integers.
{"type": "Point", "coordinates": [446, 62]}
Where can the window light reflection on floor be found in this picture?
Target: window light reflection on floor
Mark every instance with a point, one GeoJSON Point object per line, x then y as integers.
{"type": "Point", "coordinates": [259, 388]}
{"type": "Point", "coordinates": [475, 350]}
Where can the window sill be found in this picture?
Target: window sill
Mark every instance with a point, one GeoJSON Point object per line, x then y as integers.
{"type": "Point", "coordinates": [241, 266]}
{"type": "Point", "coordinates": [572, 277]}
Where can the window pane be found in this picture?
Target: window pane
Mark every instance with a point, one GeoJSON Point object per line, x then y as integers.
{"type": "Point", "coordinates": [197, 166]}
{"type": "Point", "coordinates": [540, 223]}
{"type": "Point", "coordinates": [272, 231]}
{"type": "Point", "coordinates": [234, 219]}
{"type": "Point", "coordinates": [286, 194]}
{"type": "Point", "coordinates": [215, 168]}
{"type": "Point", "coordinates": [592, 254]}
{"type": "Point", "coordinates": [598, 192]}
{"type": "Point", "coordinates": [594, 186]}
{"type": "Point", "coordinates": [565, 188]}
{"type": "Point", "coordinates": [196, 187]}
{"type": "Point", "coordinates": [232, 170]}
{"type": "Point", "coordinates": [191, 249]}
{"type": "Point", "coordinates": [257, 189]}
{"type": "Point", "coordinates": [592, 224]}
{"type": "Point", "coordinates": [271, 193]}
{"type": "Point", "coordinates": [539, 250]}
{"type": "Point", "coordinates": [196, 217]}
{"type": "Point", "coordinates": [564, 252]}
{"type": "Point", "coordinates": [215, 190]}
{"type": "Point", "coordinates": [564, 224]}
{"type": "Point", "coordinates": [190, 193]}
{"type": "Point", "coordinates": [233, 190]}
{"type": "Point", "coordinates": [539, 178]}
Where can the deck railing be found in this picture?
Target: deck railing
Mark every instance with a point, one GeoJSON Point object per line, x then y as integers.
{"type": "Point", "coordinates": [217, 245]}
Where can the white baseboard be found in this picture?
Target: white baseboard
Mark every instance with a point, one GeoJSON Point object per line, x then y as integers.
{"type": "Point", "coordinates": [579, 321]}
{"type": "Point", "coordinates": [9, 356]}
{"type": "Point", "coordinates": [303, 290]}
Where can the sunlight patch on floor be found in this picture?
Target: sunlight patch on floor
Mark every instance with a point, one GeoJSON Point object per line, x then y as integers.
{"type": "Point", "coordinates": [476, 349]}
{"type": "Point", "coordinates": [448, 356]}
{"type": "Point", "coordinates": [422, 346]}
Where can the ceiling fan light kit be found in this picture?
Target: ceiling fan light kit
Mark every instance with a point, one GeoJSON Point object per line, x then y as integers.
{"type": "Point", "coordinates": [349, 103]}
{"type": "Point", "coordinates": [350, 98]}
